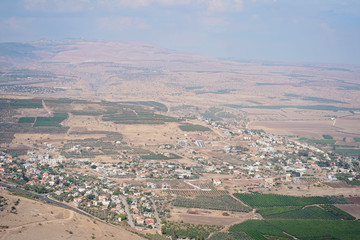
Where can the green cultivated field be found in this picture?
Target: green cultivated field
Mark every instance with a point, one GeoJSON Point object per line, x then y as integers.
{"type": "Point", "coordinates": [223, 202]}
{"type": "Point", "coordinates": [26, 120]}
{"type": "Point", "coordinates": [188, 231]}
{"type": "Point", "coordinates": [288, 215]}
{"type": "Point", "coordinates": [138, 117]}
{"type": "Point", "coordinates": [338, 212]}
{"type": "Point", "coordinates": [160, 157]}
{"type": "Point", "coordinates": [312, 212]}
{"type": "Point", "coordinates": [230, 236]}
{"type": "Point", "coordinates": [257, 229]}
{"type": "Point", "coordinates": [319, 141]}
{"type": "Point", "coordinates": [158, 106]}
{"type": "Point", "coordinates": [327, 137]}
{"type": "Point", "coordinates": [301, 229]}
{"type": "Point", "coordinates": [193, 88]}
{"type": "Point", "coordinates": [20, 103]}
{"type": "Point", "coordinates": [51, 121]}
{"type": "Point", "coordinates": [350, 151]}
{"type": "Point", "coordinates": [193, 128]}
{"type": "Point", "coordinates": [257, 200]}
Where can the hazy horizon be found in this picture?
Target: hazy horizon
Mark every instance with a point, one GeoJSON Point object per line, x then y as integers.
{"type": "Point", "coordinates": [266, 30]}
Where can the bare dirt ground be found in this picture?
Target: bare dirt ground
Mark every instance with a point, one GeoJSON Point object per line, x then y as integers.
{"type": "Point", "coordinates": [352, 209]}
{"type": "Point", "coordinates": [355, 200]}
{"type": "Point", "coordinates": [36, 220]}
{"type": "Point", "coordinates": [209, 217]}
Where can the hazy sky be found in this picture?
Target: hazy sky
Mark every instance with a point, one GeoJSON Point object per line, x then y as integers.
{"type": "Point", "coordinates": [280, 30]}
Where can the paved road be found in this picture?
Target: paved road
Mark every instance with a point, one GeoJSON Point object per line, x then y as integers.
{"type": "Point", "coordinates": [127, 210]}
{"type": "Point", "coordinates": [158, 221]}
{"type": "Point", "coordinates": [45, 198]}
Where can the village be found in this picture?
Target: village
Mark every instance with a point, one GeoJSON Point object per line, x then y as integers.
{"type": "Point", "coordinates": [139, 192]}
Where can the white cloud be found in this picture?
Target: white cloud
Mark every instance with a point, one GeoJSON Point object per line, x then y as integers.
{"type": "Point", "coordinates": [83, 5]}
{"type": "Point", "coordinates": [124, 3]}
{"type": "Point", "coordinates": [16, 24]}
{"type": "Point", "coordinates": [222, 5]}
{"type": "Point", "coordinates": [121, 23]}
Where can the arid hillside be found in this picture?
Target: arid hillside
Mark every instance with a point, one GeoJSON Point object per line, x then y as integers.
{"type": "Point", "coordinates": [22, 218]}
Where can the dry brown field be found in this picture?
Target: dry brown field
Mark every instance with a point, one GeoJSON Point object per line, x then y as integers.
{"type": "Point", "coordinates": [309, 129]}
{"type": "Point", "coordinates": [311, 190]}
{"type": "Point", "coordinates": [355, 200]}
{"type": "Point", "coordinates": [208, 217]}
{"type": "Point", "coordinates": [352, 209]}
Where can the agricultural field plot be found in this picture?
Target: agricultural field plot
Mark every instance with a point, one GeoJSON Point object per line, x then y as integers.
{"type": "Point", "coordinates": [193, 128]}
{"type": "Point", "coordinates": [208, 217]}
{"type": "Point", "coordinates": [348, 151]}
{"type": "Point", "coordinates": [308, 128]}
{"type": "Point", "coordinates": [208, 220]}
{"type": "Point", "coordinates": [352, 209]}
{"type": "Point", "coordinates": [194, 193]}
{"type": "Point", "coordinates": [120, 113]}
{"type": "Point", "coordinates": [222, 202]}
{"type": "Point", "coordinates": [270, 200]}
{"type": "Point", "coordinates": [160, 157]}
{"type": "Point", "coordinates": [325, 141]}
{"type": "Point", "coordinates": [138, 116]}
{"type": "Point", "coordinates": [187, 230]}
{"type": "Point", "coordinates": [349, 124]}
{"type": "Point", "coordinates": [20, 103]}
{"type": "Point", "coordinates": [328, 212]}
{"type": "Point", "coordinates": [230, 236]}
{"type": "Point", "coordinates": [92, 147]}
{"type": "Point", "coordinates": [51, 121]}
{"type": "Point", "coordinates": [301, 229]}
{"type": "Point", "coordinates": [26, 120]}
{"type": "Point", "coordinates": [355, 200]}
{"type": "Point", "coordinates": [156, 105]}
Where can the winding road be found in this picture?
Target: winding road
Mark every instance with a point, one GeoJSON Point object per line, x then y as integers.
{"type": "Point", "coordinates": [127, 210]}
{"type": "Point", "coordinates": [49, 200]}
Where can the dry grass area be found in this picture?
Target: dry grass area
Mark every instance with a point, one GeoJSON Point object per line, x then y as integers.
{"type": "Point", "coordinates": [36, 220]}
{"type": "Point", "coordinates": [311, 190]}
{"type": "Point", "coordinates": [348, 124]}
{"type": "Point", "coordinates": [309, 128]}
{"type": "Point", "coordinates": [208, 217]}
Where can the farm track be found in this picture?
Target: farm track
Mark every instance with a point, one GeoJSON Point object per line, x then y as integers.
{"type": "Point", "coordinates": [47, 109]}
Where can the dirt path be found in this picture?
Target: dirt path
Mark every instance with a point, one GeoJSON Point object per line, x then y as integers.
{"type": "Point", "coordinates": [66, 123]}
{"type": "Point", "coordinates": [46, 108]}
